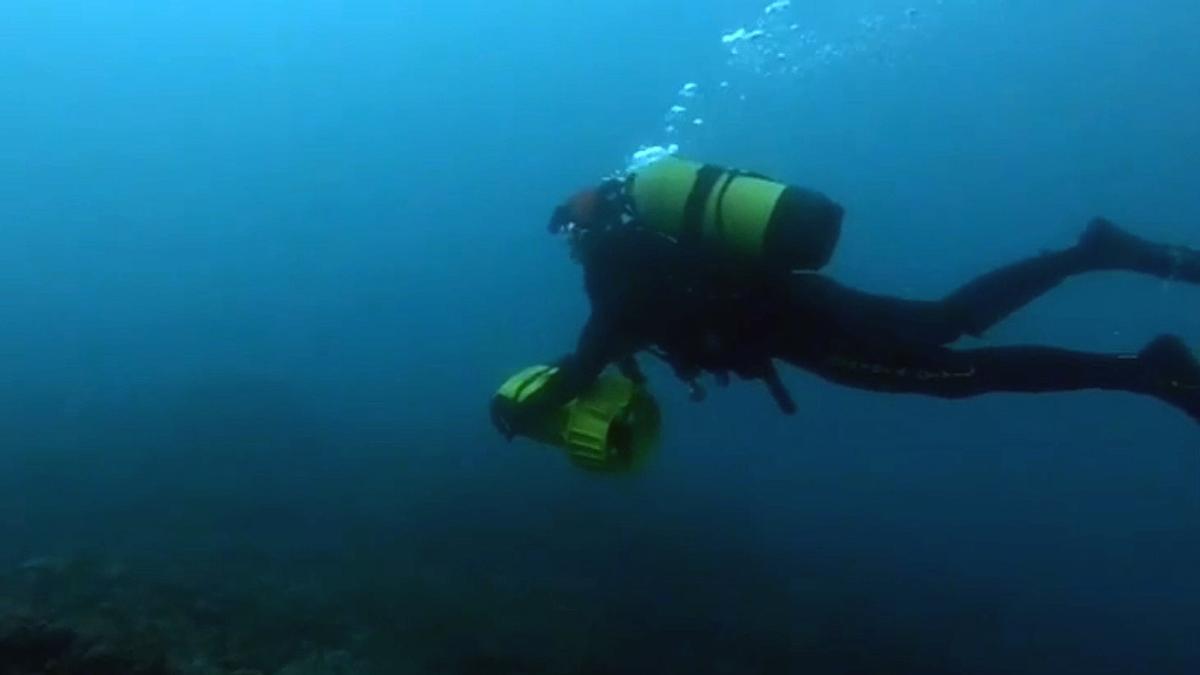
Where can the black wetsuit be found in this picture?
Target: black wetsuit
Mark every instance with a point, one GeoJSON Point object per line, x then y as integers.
{"type": "Point", "coordinates": [648, 292]}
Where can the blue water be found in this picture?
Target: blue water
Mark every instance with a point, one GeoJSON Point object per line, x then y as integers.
{"type": "Point", "coordinates": [263, 264]}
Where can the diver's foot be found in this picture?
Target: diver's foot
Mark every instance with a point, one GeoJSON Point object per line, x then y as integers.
{"type": "Point", "coordinates": [1106, 245]}
{"type": "Point", "coordinates": [1174, 373]}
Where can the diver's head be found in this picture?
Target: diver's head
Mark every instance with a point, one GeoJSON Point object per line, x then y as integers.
{"type": "Point", "coordinates": [583, 211]}
{"type": "Point", "coordinates": [586, 213]}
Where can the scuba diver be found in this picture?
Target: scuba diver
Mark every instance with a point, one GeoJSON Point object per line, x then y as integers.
{"type": "Point", "coordinates": [715, 271]}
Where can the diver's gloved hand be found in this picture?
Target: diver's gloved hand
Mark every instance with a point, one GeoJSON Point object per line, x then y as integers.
{"type": "Point", "coordinates": [629, 367]}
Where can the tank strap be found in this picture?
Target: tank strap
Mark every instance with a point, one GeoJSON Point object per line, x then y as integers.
{"type": "Point", "coordinates": [734, 174]}
{"type": "Point", "coordinates": [692, 230]}
{"type": "Point", "coordinates": [719, 215]}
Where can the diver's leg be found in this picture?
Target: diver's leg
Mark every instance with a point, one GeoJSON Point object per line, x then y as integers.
{"type": "Point", "coordinates": [970, 310]}
{"type": "Point", "coordinates": [987, 300]}
{"type": "Point", "coordinates": [1166, 369]}
{"type": "Point", "coordinates": [817, 300]}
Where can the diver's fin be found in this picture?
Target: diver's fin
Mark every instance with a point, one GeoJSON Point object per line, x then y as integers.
{"type": "Point", "coordinates": [1174, 372]}
{"type": "Point", "coordinates": [1106, 245]}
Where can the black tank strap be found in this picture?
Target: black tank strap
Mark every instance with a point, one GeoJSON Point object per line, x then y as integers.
{"type": "Point", "coordinates": [693, 211]}
{"type": "Point", "coordinates": [734, 174]}
{"type": "Point", "coordinates": [720, 214]}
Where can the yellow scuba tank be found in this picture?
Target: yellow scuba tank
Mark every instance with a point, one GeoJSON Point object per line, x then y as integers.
{"type": "Point", "coordinates": [758, 220]}
{"type": "Point", "coordinates": [613, 426]}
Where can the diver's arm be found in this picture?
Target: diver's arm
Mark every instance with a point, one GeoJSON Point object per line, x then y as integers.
{"type": "Point", "coordinates": [598, 346]}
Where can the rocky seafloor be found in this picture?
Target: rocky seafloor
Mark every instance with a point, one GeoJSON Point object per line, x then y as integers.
{"type": "Point", "coordinates": [86, 615]}
{"type": "Point", "coordinates": [91, 616]}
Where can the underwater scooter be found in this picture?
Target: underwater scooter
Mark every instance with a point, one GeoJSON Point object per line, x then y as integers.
{"type": "Point", "coordinates": [612, 427]}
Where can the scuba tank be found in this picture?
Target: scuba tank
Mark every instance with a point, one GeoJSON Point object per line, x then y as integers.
{"type": "Point", "coordinates": [611, 427]}
{"type": "Point", "coordinates": [758, 220]}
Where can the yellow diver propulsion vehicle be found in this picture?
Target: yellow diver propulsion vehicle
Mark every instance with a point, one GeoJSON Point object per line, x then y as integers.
{"type": "Point", "coordinates": [612, 427]}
